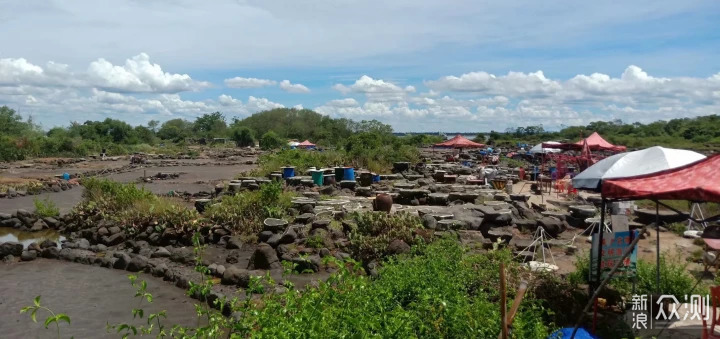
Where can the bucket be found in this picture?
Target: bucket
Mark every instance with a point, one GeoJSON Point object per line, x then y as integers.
{"type": "Point", "coordinates": [288, 172]}
{"type": "Point", "coordinates": [339, 173]}
{"type": "Point", "coordinates": [349, 174]}
{"type": "Point", "coordinates": [329, 179]}
{"type": "Point", "coordinates": [376, 177]}
{"type": "Point", "coordinates": [66, 176]}
{"type": "Point", "coordinates": [366, 179]}
{"type": "Point", "coordinates": [317, 177]}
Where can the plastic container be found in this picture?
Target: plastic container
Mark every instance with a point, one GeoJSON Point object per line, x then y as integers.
{"type": "Point", "coordinates": [376, 177]}
{"type": "Point", "coordinates": [66, 176]}
{"type": "Point", "coordinates": [339, 171]}
{"type": "Point", "coordinates": [329, 179]}
{"type": "Point", "coordinates": [288, 172]}
{"type": "Point", "coordinates": [317, 177]}
{"type": "Point", "coordinates": [349, 174]}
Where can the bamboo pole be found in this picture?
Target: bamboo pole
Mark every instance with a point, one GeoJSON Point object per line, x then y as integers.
{"type": "Point", "coordinates": [516, 304]}
{"type": "Point", "coordinates": [503, 304]}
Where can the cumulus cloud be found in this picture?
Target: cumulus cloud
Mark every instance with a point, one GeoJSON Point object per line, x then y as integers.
{"type": "Point", "coordinates": [240, 82]}
{"type": "Point", "coordinates": [139, 75]}
{"type": "Point", "coordinates": [286, 86]}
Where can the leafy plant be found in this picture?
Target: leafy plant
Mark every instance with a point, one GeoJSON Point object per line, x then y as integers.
{"type": "Point", "coordinates": [375, 231]}
{"type": "Point", "coordinates": [46, 208]}
{"type": "Point", "coordinates": [53, 318]}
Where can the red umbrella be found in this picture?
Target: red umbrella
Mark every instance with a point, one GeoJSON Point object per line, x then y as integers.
{"type": "Point", "coordinates": [459, 142]}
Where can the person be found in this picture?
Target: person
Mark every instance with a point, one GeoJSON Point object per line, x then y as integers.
{"type": "Point", "coordinates": [102, 154]}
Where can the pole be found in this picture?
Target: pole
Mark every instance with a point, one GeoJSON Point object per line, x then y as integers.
{"type": "Point", "coordinates": [503, 303]}
{"type": "Point", "coordinates": [516, 304]}
{"type": "Point", "coordinates": [627, 252]}
{"type": "Point", "coordinates": [657, 245]}
{"type": "Point", "coordinates": [601, 230]}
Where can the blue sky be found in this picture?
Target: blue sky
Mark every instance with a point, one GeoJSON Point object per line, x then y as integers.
{"type": "Point", "coordinates": [461, 65]}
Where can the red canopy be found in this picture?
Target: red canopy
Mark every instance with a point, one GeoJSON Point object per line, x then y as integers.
{"type": "Point", "coordinates": [595, 142]}
{"type": "Point", "coordinates": [699, 181]}
{"type": "Point", "coordinates": [306, 143]}
{"type": "Point", "coordinates": [459, 141]}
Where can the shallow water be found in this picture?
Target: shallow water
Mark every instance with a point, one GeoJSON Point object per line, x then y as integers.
{"type": "Point", "coordinates": [27, 238]}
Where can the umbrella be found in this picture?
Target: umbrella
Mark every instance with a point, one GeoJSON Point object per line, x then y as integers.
{"type": "Point", "coordinates": [539, 148]}
{"type": "Point", "coordinates": [629, 164]}
{"type": "Point", "coordinates": [459, 142]}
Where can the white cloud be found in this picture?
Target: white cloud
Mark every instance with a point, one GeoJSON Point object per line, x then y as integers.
{"type": "Point", "coordinates": [514, 84]}
{"type": "Point", "coordinates": [286, 86]}
{"type": "Point", "coordinates": [139, 75]}
{"type": "Point", "coordinates": [240, 82]}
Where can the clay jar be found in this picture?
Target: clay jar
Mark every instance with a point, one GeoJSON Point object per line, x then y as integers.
{"type": "Point", "coordinates": [383, 202]}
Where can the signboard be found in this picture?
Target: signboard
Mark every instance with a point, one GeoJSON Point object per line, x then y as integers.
{"type": "Point", "coordinates": [613, 247]}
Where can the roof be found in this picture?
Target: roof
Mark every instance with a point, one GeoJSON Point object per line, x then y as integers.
{"type": "Point", "coordinates": [306, 143]}
{"type": "Point", "coordinates": [595, 142]}
{"type": "Point", "coordinates": [698, 181]}
{"type": "Point", "coordinates": [459, 141]}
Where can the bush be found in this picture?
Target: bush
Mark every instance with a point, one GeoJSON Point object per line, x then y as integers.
{"type": "Point", "coordinates": [243, 137]}
{"type": "Point", "coordinates": [46, 208]}
{"type": "Point", "coordinates": [440, 292]}
{"type": "Point", "coordinates": [375, 230]}
{"type": "Point", "coordinates": [244, 212]}
{"type": "Point", "coordinates": [271, 140]}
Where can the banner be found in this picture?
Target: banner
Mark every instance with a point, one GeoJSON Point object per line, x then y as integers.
{"type": "Point", "coordinates": [613, 247]}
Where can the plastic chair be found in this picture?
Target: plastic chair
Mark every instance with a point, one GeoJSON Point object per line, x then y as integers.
{"type": "Point", "coordinates": [709, 332]}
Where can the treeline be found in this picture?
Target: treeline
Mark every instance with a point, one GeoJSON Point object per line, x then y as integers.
{"type": "Point", "coordinates": [701, 133]}
{"type": "Point", "coordinates": [21, 139]}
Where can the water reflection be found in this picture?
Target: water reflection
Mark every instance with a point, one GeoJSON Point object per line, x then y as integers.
{"type": "Point", "coordinates": [27, 238]}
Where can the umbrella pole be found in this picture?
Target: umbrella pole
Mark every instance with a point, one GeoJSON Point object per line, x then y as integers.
{"type": "Point", "coordinates": [657, 245]}
{"type": "Point", "coordinates": [601, 230]}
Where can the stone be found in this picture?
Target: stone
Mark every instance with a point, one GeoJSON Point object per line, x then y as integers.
{"type": "Point", "coordinates": [450, 224]}
{"type": "Point", "coordinates": [310, 263]}
{"type": "Point", "coordinates": [234, 242]}
{"type": "Point", "coordinates": [11, 248]}
{"type": "Point", "coordinates": [12, 222]}
{"type": "Point", "coordinates": [5, 216]}
{"type": "Point", "coordinates": [23, 213]}
{"type": "Point", "coordinates": [38, 225]}
{"type": "Point", "coordinates": [305, 218]}
{"type": "Point", "coordinates": [438, 199]}
{"type": "Point", "coordinates": [265, 235]}
{"type": "Point", "coordinates": [114, 230]}
{"type": "Point", "coordinates": [47, 243]}
{"type": "Point", "coordinates": [159, 270]}
{"type": "Point", "coordinates": [83, 244]}
{"type": "Point", "coordinates": [115, 239]}
{"type": "Point", "coordinates": [274, 225]}
{"type": "Point", "coordinates": [234, 275]}
{"type": "Point", "coordinates": [34, 247]}
{"type": "Point", "coordinates": [137, 264]}
{"type": "Point", "coordinates": [553, 227]}
{"type": "Point", "coordinates": [122, 261]}
{"type": "Point", "coordinates": [274, 241]}
{"type": "Point", "coordinates": [398, 246]}
{"type": "Point", "coordinates": [51, 222]}
{"type": "Point", "coordinates": [8, 258]}
{"type": "Point", "coordinates": [429, 221]}
{"type": "Point", "coordinates": [322, 223]}
{"type": "Point", "coordinates": [233, 257]}
{"type": "Point", "coordinates": [50, 252]}
{"type": "Point", "coordinates": [324, 252]}
{"type": "Point", "coordinates": [525, 225]}
{"type": "Point", "coordinates": [288, 237]}
{"type": "Point", "coordinates": [497, 234]}
{"type": "Point", "coordinates": [264, 258]}
{"type": "Point", "coordinates": [220, 270]}
{"type": "Point", "coordinates": [28, 255]}
{"type": "Point", "coordinates": [161, 252]}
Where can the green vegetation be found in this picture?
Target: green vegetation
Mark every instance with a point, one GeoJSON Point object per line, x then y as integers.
{"type": "Point", "coordinates": [674, 278]}
{"type": "Point", "coordinates": [133, 208]}
{"type": "Point", "coordinates": [375, 231]}
{"type": "Point", "coordinates": [46, 208]}
{"type": "Point", "coordinates": [439, 291]}
{"type": "Point", "coordinates": [246, 211]}
{"type": "Point", "coordinates": [53, 318]}
{"type": "Point", "coordinates": [242, 136]}
{"type": "Point", "coordinates": [270, 140]}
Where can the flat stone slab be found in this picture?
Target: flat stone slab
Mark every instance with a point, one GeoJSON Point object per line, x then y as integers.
{"type": "Point", "coordinates": [442, 216]}
{"type": "Point", "coordinates": [450, 224]}
{"type": "Point", "coordinates": [404, 185]}
{"type": "Point", "coordinates": [464, 196]}
{"type": "Point", "coordinates": [413, 193]}
{"type": "Point", "coordinates": [390, 177]}
{"type": "Point", "coordinates": [439, 199]}
{"type": "Point", "coordinates": [413, 177]}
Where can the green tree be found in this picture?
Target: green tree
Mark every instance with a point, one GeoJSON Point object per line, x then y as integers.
{"type": "Point", "coordinates": [271, 140]}
{"type": "Point", "coordinates": [153, 125]}
{"type": "Point", "coordinates": [210, 125]}
{"type": "Point", "coordinates": [242, 136]}
{"type": "Point", "coordinates": [175, 129]}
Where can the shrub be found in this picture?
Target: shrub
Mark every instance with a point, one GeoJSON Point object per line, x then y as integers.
{"type": "Point", "coordinates": [46, 208]}
{"type": "Point", "coordinates": [242, 136]}
{"type": "Point", "coordinates": [439, 292]}
{"type": "Point", "coordinates": [375, 230]}
{"type": "Point", "coordinates": [244, 212]}
{"type": "Point", "coordinates": [271, 140]}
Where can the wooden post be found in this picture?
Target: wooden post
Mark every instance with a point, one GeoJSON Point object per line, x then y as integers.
{"type": "Point", "coordinates": [503, 303]}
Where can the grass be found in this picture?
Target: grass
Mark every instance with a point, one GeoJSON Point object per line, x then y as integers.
{"type": "Point", "coordinates": [46, 208]}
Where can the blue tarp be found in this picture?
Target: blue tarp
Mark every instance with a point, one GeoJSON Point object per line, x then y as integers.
{"type": "Point", "coordinates": [566, 332]}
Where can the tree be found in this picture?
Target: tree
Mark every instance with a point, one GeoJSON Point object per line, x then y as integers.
{"type": "Point", "coordinates": [242, 136]}
{"type": "Point", "coordinates": [153, 125]}
{"type": "Point", "coordinates": [175, 129]}
{"type": "Point", "coordinates": [271, 140]}
{"type": "Point", "coordinates": [210, 125]}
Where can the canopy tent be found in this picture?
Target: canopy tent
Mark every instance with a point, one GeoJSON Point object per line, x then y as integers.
{"type": "Point", "coordinates": [542, 148]}
{"type": "Point", "coordinates": [698, 181]}
{"type": "Point", "coordinates": [306, 144]}
{"type": "Point", "coordinates": [595, 142]}
{"type": "Point", "coordinates": [459, 141]}
{"type": "Point", "coordinates": [630, 164]}
{"type": "Point", "coordinates": [293, 143]}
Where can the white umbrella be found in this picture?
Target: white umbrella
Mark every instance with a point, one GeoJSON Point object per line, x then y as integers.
{"type": "Point", "coordinates": [539, 149]}
{"type": "Point", "coordinates": [629, 164]}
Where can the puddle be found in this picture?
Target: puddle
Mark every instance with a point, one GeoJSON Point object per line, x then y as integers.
{"type": "Point", "coordinates": [27, 238]}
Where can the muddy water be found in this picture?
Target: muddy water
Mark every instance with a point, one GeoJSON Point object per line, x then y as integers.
{"type": "Point", "coordinates": [92, 296]}
{"type": "Point", "coordinates": [27, 238]}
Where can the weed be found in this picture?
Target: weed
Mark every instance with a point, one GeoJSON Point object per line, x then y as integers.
{"type": "Point", "coordinates": [53, 318]}
{"type": "Point", "coordinates": [46, 208]}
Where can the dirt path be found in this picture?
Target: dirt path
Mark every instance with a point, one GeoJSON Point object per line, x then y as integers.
{"type": "Point", "coordinates": [64, 200]}
{"type": "Point", "coordinates": [91, 296]}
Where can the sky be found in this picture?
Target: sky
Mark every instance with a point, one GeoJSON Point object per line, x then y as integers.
{"type": "Point", "coordinates": [452, 65]}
